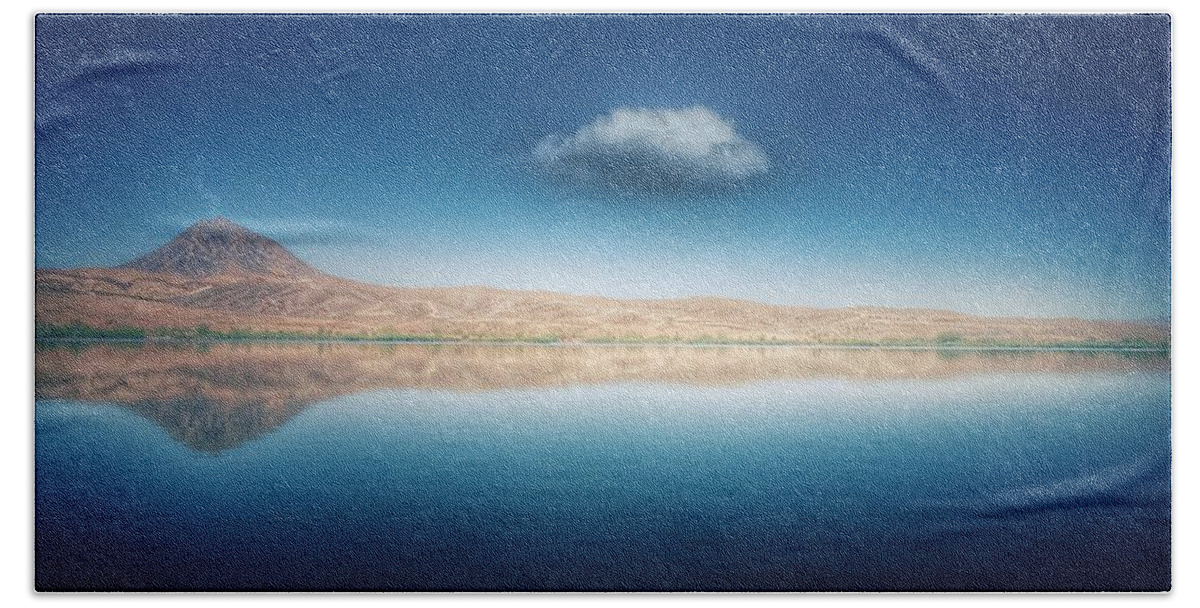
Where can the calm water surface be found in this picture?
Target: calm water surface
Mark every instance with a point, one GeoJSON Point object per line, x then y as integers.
{"type": "Point", "coordinates": [497, 468]}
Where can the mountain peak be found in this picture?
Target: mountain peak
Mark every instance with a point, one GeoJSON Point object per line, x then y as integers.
{"type": "Point", "coordinates": [220, 223]}
{"type": "Point", "coordinates": [220, 246]}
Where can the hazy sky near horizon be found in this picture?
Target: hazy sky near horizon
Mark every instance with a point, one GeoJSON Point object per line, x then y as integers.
{"type": "Point", "coordinates": [1000, 165]}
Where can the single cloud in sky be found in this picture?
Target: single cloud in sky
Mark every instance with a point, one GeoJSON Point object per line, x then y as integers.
{"type": "Point", "coordinates": [654, 151]}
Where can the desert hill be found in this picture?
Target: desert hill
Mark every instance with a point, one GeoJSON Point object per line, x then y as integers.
{"type": "Point", "coordinates": [222, 276]}
{"type": "Point", "coordinates": [221, 247]}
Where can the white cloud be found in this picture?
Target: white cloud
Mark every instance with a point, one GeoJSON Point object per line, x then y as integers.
{"type": "Point", "coordinates": [647, 150]}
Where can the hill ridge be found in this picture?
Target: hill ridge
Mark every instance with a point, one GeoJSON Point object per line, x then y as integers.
{"type": "Point", "coordinates": [219, 246]}
{"type": "Point", "coordinates": [219, 275]}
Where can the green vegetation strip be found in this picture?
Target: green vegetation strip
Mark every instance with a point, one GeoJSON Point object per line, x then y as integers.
{"type": "Point", "coordinates": [81, 332]}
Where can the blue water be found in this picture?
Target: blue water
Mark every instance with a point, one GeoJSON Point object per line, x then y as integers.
{"type": "Point", "coordinates": [981, 482]}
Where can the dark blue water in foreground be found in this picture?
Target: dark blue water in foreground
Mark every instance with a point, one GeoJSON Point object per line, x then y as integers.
{"type": "Point", "coordinates": [980, 482]}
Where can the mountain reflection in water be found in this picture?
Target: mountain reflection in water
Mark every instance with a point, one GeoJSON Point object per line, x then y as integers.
{"type": "Point", "coordinates": [216, 397]}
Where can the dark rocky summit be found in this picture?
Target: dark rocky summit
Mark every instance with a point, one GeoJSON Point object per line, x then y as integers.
{"type": "Point", "coordinates": [221, 247]}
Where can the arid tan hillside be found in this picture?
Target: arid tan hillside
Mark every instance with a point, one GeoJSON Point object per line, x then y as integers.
{"type": "Point", "coordinates": [222, 276]}
{"type": "Point", "coordinates": [126, 297]}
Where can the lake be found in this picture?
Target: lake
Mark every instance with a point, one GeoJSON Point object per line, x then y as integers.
{"type": "Point", "coordinates": [496, 467]}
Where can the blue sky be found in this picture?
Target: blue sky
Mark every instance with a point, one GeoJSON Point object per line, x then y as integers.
{"type": "Point", "coordinates": [1005, 165]}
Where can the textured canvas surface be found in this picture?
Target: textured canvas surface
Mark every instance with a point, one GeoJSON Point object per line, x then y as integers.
{"type": "Point", "coordinates": [603, 303]}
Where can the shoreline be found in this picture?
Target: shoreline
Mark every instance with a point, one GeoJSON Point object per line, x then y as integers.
{"type": "Point", "coordinates": [960, 347]}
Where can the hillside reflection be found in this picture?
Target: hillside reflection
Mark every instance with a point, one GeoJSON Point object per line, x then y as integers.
{"type": "Point", "coordinates": [217, 397]}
